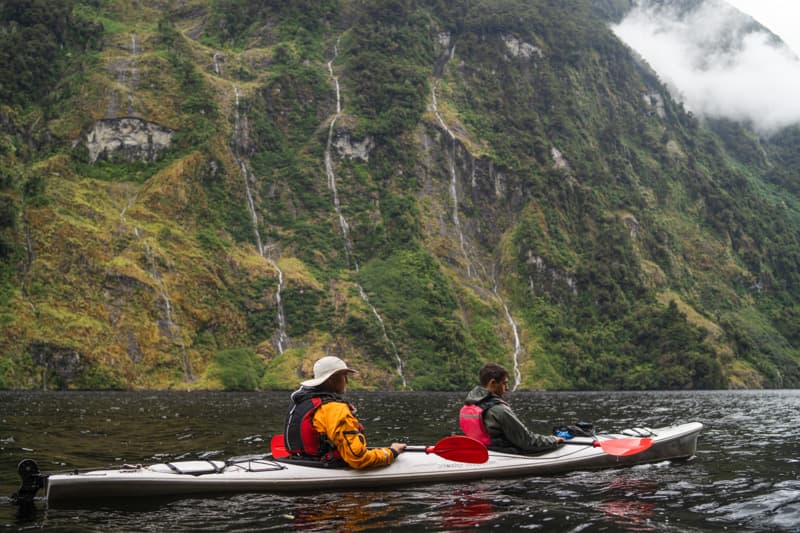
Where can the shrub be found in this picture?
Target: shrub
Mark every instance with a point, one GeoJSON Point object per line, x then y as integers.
{"type": "Point", "coordinates": [237, 369]}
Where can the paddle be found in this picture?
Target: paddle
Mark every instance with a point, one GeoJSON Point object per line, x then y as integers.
{"type": "Point", "coordinates": [619, 447]}
{"type": "Point", "coordinates": [455, 448]}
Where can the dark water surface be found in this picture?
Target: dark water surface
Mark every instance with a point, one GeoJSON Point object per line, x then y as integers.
{"type": "Point", "coordinates": [745, 477]}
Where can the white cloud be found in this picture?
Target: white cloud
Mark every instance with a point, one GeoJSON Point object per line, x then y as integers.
{"type": "Point", "coordinates": [782, 17]}
{"type": "Point", "coordinates": [716, 65]}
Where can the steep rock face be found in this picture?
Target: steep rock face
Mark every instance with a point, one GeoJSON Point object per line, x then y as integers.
{"type": "Point", "coordinates": [129, 139]}
{"type": "Point", "coordinates": [413, 189]}
{"type": "Point", "coordinates": [519, 48]}
{"type": "Point", "coordinates": [488, 195]}
{"type": "Point", "coordinates": [352, 148]}
{"type": "Point", "coordinates": [62, 362]}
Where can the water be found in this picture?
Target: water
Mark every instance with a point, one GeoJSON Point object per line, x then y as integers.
{"type": "Point", "coordinates": [745, 477]}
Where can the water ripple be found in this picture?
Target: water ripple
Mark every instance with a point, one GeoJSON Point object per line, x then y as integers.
{"type": "Point", "coordinates": [744, 476]}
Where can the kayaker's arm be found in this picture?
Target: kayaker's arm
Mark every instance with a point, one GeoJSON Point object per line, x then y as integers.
{"type": "Point", "coordinates": [338, 423]}
{"type": "Point", "coordinates": [501, 420]}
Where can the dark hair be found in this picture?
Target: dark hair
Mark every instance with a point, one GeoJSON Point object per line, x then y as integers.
{"type": "Point", "coordinates": [492, 371]}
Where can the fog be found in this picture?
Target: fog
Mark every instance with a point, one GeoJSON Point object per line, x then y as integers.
{"type": "Point", "coordinates": [714, 62]}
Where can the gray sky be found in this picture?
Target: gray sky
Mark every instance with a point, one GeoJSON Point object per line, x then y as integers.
{"type": "Point", "coordinates": [782, 17]}
{"type": "Point", "coordinates": [756, 82]}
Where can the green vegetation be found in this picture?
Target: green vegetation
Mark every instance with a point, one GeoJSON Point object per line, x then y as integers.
{"type": "Point", "coordinates": [634, 246]}
{"type": "Point", "coordinates": [36, 42]}
{"type": "Point", "coordinates": [653, 349]}
{"type": "Point", "coordinates": [389, 57]}
{"type": "Point", "coordinates": [236, 369]}
{"type": "Point", "coordinates": [419, 302]}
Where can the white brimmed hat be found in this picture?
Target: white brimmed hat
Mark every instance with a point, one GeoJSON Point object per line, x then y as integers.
{"type": "Point", "coordinates": [325, 368]}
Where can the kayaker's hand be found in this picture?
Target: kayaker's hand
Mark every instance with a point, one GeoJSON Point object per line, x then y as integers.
{"type": "Point", "coordinates": [559, 440]}
{"type": "Point", "coordinates": [399, 447]}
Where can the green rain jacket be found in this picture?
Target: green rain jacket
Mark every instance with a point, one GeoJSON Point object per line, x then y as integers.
{"type": "Point", "coordinates": [507, 432]}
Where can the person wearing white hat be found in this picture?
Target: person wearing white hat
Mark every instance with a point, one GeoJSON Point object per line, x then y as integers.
{"type": "Point", "coordinates": [322, 426]}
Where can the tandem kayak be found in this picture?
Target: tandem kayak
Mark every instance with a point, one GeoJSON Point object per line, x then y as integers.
{"type": "Point", "coordinates": [265, 473]}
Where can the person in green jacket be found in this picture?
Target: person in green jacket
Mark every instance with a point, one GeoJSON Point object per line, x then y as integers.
{"type": "Point", "coordinates": [488, 418]}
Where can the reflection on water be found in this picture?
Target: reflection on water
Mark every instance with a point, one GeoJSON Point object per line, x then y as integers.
{"type": "Point", "coordinates": [622, 502]}
{"type": "Point", "coordinates": [351, 511]}
{"type": "Point", "coordinates": [744, 478]}
{"type": "Point", "coordinates": [632, 515]}
{"type": "Point", "coordinates": [469, 510]}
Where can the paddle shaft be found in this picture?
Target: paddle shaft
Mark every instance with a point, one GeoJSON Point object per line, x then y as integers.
{"type": "Point", "coordinates": [454, 448]}
{"type": "Point", "coordinates": [592, 443]}
{"type": "Point", "coordinates": [618, 447]}
{"type": "Point", "coordinates": [426, 449]}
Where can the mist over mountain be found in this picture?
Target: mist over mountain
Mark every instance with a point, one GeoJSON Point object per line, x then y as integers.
{"type": "Point", "coordinates": [212, 194]}
{"type": "Point", "coordinates": [717, 61]}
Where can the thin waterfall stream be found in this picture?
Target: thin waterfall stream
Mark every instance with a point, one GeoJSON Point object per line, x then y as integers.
{"type": "Point", "coordinates": [173, 329]}
{"type": "Point", "coordinates": [348, 243]}
{"type": "Point", "coordinates": [134, 74]}
{"type": "Point", "coordinates": [238, 137]}
{"type": "Point", "coordinates": [386, 338]}
{"type": "Point", "coordinates": [344, 226]}
{"type": "Point", "coordinates": [517, 344]}
{"type": "Point", "coordinates": [217, 64]}
{"type": "Point", "coordinates": [26, 264]}
{"type": "Point", "coordinates": [453, 179]}
{"type": "Point", "coordinates": [453, 189]}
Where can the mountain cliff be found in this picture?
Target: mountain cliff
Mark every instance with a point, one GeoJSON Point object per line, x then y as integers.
{"type": "Point", "coordinates": [214, 193]}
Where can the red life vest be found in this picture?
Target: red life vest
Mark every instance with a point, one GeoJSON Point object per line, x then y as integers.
{"type": "Point", "coordinates": [300, 437]}
{"type": "Point", "coordinates": [471, 420]}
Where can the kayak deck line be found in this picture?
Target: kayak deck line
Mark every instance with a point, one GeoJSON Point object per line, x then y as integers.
{"type": "Point", "coordinates": [32, 479]}
{"type": "Point", "coordinates": [254, 463]}
{"type": "Point", "coordinates": [264, 473]}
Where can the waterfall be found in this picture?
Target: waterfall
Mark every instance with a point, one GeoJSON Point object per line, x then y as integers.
{"type": "Point", "coordinates": [453, 180]}
{"type": "Point", "coordinates": [462, 242]}
{"type": "Point", "coordinates": [344, 226]}
{"type": "Point", "coordinates": [239, 133]}
{"type": "Point", "coordinates": [398, 360]}
{"type": "Point", "coordinates": [335, 78]}
{"type": "Point", "coordinates": [217, 65]}
{"type": "Point", "coordinates": [283, 338]}
{"type": "Point", "coordinates": [173, 329]}
{"type": "Point", "coordinates": [517, 344]}
{"type": "Point", "coordinates": [134, 74]}
{"type": "Point", "coordinates": [251, 206]}
{"type": "Point", "coordinates": [132, 195]}
{"type": "Point", "coordinates": [26, 265]}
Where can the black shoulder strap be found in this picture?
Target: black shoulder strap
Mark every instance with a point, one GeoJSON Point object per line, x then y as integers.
{"type": "Point", "coordinates": [487, 403]}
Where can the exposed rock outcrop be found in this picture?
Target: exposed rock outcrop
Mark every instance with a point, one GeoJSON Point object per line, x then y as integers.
{"type": "Point", "coordinates": [62, 362]}
{"type": "Point", "coordinates": [346, 146]}
{"type": "Point", "coordinates": [128, 139]}
{"type": "Point", "coordinates": [522, 49]}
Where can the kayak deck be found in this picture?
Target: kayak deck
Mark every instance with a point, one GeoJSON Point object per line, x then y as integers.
{"type": "Point", "coordinates": [265, 474]}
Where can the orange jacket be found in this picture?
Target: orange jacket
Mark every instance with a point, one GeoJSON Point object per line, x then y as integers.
{"type": "Point", "coordinates": [338, 423]}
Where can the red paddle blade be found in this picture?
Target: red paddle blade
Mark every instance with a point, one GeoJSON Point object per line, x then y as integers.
{"type": "Point", "coordinates": [460, 448]}
{"type": "Point", "coordinates": [277, 447]}
{"type": "Point", "coordinates": [623, 447]}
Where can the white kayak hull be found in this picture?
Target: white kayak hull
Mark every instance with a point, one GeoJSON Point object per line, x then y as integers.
{"type": "Point", "coordinates": [263, 474]}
